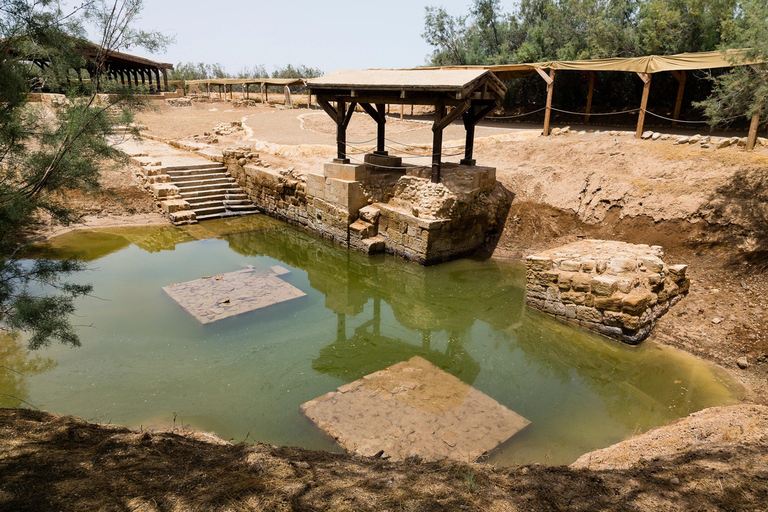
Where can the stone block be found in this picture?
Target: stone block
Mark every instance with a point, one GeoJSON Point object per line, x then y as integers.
{"type": "Point", "coordinates": [573, 297]}
{"type": "Point", "coordinates": [161, 190]}
{"type": "Point", "coordinates": [345, 194]}
{"type": "Point", "coordinates": [382, 163]}
{"type": "Point", "coordinates": [316, 185]}
{"type": "Point", "coordinates": [588, 314]}
{"type": "Point", "coordinates": [570, 266]}
{"type": "Point", "coordinates": [362, 229]}
{"type": "Point", "coordinates": [174, 205]}
{"type": "Point", "coordinates": [539, 263]}
{"type": "Point", "coordinates": [678, 272]}
{"type": "Point", "coordinates": [603, 285]}
{"type": "Point", "coordinates": [612, 303]}
{"type": "Point", "coordinates": [581, 282]}
{"type": "Point", "coordinates": [621, 265]}
{"type": "Point", "coordinates": [636, 302]}
{"type": "Point", "coordinates": [345, 172]}
{"type": "Point", "coordinates": [370, 214]}
{"type": "Point", "coordinates": [652, 263]}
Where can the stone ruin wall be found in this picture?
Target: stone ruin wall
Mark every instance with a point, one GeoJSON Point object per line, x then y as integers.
{"type": "Point", "coordinates": [371, 209]}
{"type": "Point", "coordinates": [614, 288]}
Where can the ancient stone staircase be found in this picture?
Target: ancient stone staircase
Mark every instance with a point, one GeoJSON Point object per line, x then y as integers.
{"type": "Point", "coordinates": [210, 191]}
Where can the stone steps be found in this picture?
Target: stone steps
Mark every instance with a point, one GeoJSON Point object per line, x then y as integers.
{"type": "Point", "coordinates": [206, 191]}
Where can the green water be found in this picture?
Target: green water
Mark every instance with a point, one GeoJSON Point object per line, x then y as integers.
{"type": "Point", "coordinates": [145, 361]}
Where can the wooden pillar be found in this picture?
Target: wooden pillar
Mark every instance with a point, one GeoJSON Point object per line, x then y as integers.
{"type": "Point", "coordinates": [143, 76]}
{"type": "Point", "coordinates": [437, 142]}
{"type": "Point", "coordinates": [752, 137]}
{"type": "Point", "coordinates": [680, 76]}
{"type": "Point", "coordinates": [266, 93]}
{"type": "Point", "coordinates": [165, 79]}
{"type": "Point", "coordinates": [208, 88]}
{"type": "Point", "coordinates": [402, 110]}
{"type": "Point", "coordinates": [469, 145]}
{"type": "Point", "coordinates": [122, 77]}
{"type": "Point", "coordinates": [288, 102]}
{"type": "Point", "coordinates": [262, 93]}
{"type": "Point", "coordinates": [646, 78]}
{"type": "Point", "coordinates": [341, 133]}
{"type": "Point", "coordinates": [381, 130]}
{"type": "Point", "coordinates": [247, 89]}
{"type": "Point", "coordinates": [550, 79]}
{"type": "Point", "coordinates": [309, 99]}
{"type": "Point", "coordinates": [157, 79]}
{"type": "Point", "coordinates": [589, 96]}
{"type": "Point", "coordinates": [135, 78]}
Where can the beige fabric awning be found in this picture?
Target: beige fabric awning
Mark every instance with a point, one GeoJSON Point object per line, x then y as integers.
{"type": "Point", "coordinates": [648, 64]}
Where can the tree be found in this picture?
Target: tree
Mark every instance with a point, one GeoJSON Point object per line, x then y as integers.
{"type": "Point", "coordinates": [46, 150]}
{"type": "Point", "coordinates": [742, 91]}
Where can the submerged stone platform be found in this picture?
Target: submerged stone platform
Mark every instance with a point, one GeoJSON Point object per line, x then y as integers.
{"type": "Point", "coordinates": [614, 288]}
{"type": "Point", "coordinates": [414, 408]}
{"type": "Point", "coordinates": [222, 296]}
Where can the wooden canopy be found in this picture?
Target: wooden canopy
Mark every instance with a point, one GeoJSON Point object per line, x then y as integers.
{"type": "Point", "coordinates": [469, 93]}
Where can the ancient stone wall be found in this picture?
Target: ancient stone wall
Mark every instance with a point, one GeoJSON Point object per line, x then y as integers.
{"type": "Point", "coordinates": [375, 208]}
{"type": "Point", "coordinates": [614, 288]}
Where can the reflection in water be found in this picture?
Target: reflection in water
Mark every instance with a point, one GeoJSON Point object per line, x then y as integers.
{"type": "Point", "coordinates": [17, 365]}
{"type": "Point", "coordinates": [147, 358]}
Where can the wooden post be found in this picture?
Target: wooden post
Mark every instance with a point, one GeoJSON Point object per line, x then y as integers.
{"type": "Point", "coordinates": [402, 110]}
{"type": "Point", "coordinates": [681, 76]}
{"type": "Point", "coordinates": [469, 146]}
{"type": "Point", "coordinates": [208, 88]}
{"type": "Point", "coordinates": [287, 94]}
{"type": "Point", "coordinates": [646, 78]}
{"type": "Point", "coordinates": [231, 86]}
{"type": "Point", "coordinates": [550, 79]}
{"type": "Point", "coordinates": [309, 99]}
{"type": "Point", "coordinates": [589, 96]}
{"type": "Point", "coordinates": [165, 79]}
{"type": "Point", "coordinates": [437, 142]}
{"type": "Point", "coordinates": [341, 133]}
{"type": "Point", "coordinates": [752, 137]}
{"type": "Point", "coordinates": [157, 80]}
{"type": "Point", "coordinates": [381, 130]}
{"type": "Point", "coordinates": [411, 109]}
{"type": "Point", "coordinates": [266, 93]}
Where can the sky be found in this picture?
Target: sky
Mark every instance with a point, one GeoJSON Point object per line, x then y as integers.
{"type": "Point", "coordinates": [325, 34]}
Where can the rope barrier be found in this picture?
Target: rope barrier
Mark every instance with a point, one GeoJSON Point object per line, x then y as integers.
{"type": "Point", "coordinates": [674, 120]}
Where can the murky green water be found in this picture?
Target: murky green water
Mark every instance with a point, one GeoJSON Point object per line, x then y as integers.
{"type": "Point", "coordinates": [145, 361]}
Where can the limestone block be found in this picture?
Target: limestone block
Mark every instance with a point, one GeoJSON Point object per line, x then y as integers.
{"type": "Point", "coordinates": [316, 185]}
{"type": "Point", "coordinates": [370, 214]}
{"type": "Point", "coordinates": [174, 205]}
{"type": "Point", "coordinates": [636, 302]}
{"type": "Point", "coordinates": [346, 172]}
{"type": "Point", "coordinates": [362, 229]}
{"type": "Point", "coordinates": [183, 217]}
{"type": "Point", "coordinates": [539, 262]}
{"type": "Point", "coordinates": [346, 194]}
{"type": "Point", "coordinates": [581, 282]}
{"type": "Point", "coordinates": [619, 265]}
{"type": "Point", "coordinates": [603, 285]}
{"type": "Point", "coordinates": [612, 303]}
{"type": "Point", "coordinates": [652, 263]}
{"type": "Point", "coordinates": [588, 314]}
{"type": "Point", "coordinates": [677, 272]}
{"type": "Point", "coordinates": [160, 190]}
{"type": "Point", "coordinates": [570, 265]}
{"type": "Point", "coordinates": [564, 280]}
{"type": "Point", "coordinates": [383, 163]}
{"type": "Point", "coordinates": [573, 297]}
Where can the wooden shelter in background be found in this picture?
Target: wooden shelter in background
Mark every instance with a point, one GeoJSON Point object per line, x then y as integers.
{"type": "Point", "coordinates": [225, 86]}
{"type": "Point", "coordinates": [127, 69]}
{"type": "Point", "coordinates": [469, 94]}
{"type": "Point", "coordinates": [645, 67]}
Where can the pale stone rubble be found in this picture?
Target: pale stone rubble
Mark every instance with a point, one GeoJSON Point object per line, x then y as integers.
{"type": "Point", "coordinates": [414, 408]}
{"type": "Point", "coordinates": [614, 288]}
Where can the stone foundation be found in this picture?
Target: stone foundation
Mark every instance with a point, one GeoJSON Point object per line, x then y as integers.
{"type": "Point", "coordinates": [382, 205]}
{"type": "Point", "coordinates": [614, 288]}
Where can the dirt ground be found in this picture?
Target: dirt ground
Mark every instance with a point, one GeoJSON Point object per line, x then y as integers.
{"type": "Point", "coordinates": [52, 462]}
{"type": "Point", "coordinates": [706, 207]}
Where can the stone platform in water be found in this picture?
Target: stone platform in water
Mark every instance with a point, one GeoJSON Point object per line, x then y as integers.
{"type": "Point", "coordinates": [614, 288]}
{"type": "Point", "coordinates": [224, 295]}
{"type": "Point", "coordinates": [414, 408]}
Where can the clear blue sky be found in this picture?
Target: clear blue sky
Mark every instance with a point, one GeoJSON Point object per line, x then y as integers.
{"type": "Point", "coordinates": [329, 34]}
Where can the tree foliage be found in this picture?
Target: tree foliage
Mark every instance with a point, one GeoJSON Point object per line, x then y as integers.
{"type": "Point", "coordinates": [45, 149]}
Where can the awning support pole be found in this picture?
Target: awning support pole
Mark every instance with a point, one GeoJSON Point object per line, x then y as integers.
{"type": "Point", "coordinates": [550, 79]}
{"type": "Point", "coordinates": [680, 76]}
{"type": "Point", "coordinates": [752, 137]}
{"type": "Point", "coordinates": [646, 78]}
{"type": "Point", "coordinates": [591, 77]}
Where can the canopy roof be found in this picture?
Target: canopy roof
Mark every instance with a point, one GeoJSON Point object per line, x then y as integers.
{"type": "Point", "coordinates": [649, 64]}
{"type": "Point", "coordinates": [246, 81]}
{"type": "Point", "coordinates": [438, 80]}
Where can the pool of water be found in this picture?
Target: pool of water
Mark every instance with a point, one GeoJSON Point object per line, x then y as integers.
{"type": "Point", "coordinates": [144, 361]}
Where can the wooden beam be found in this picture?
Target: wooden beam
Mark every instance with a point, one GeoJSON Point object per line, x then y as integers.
{"type": "Point", "coordinates": [681, 76]}
{"type": "Point", "coordinates": [287, 97]}
{"type": "Point", "coordinates": [437, 142]}
{"type": "Point", "coordinates": [591, 77]}
{"type": "Point", "coordinates": [328, 109]}
{"type": "Point", "coordinates": [341, 133]}
{"type": "Point", "coordinates": [550, 90]}
{"type": "Point", "coordinates": [752, 137]}
{"type": "Point", "coordinates": [646, 78]}
{"type": "Point", "coordinates": [471, 118]}
{"type": "Point", "coordinates": [262, 94]}
{"type": "Point", "coordinates": [455, 113]}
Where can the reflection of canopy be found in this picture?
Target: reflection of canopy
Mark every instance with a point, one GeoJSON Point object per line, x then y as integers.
{"type": "Point", "coordinates": [364, 353]}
